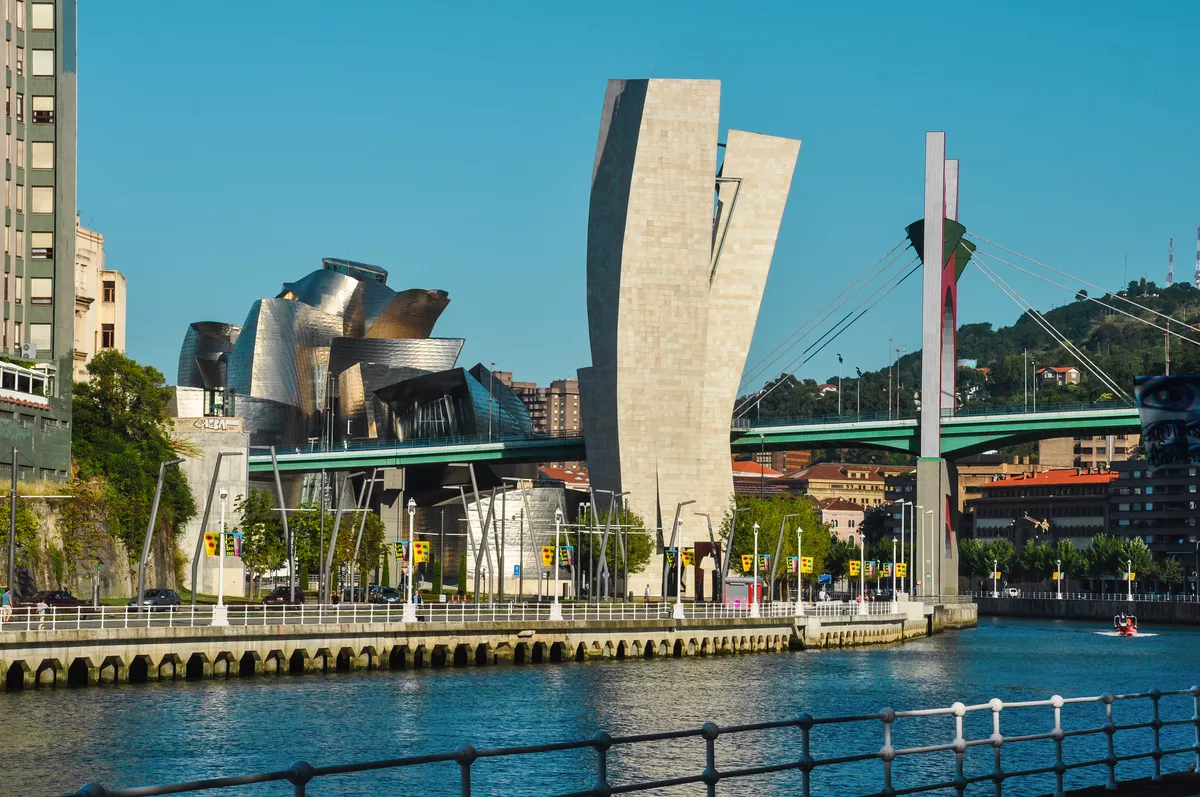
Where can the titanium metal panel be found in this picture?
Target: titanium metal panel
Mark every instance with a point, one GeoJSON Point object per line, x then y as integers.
{"type": "Point", "coordinates": [204, 340]}
{"type": "Point", "coordinates": [411, 314]}
{"type": "Point", "coordinates": [429, 354]}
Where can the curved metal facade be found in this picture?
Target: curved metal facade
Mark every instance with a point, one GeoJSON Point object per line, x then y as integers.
{"type": "Point", "coordinates": [426, 355]}
{"type": "Point", "coordinates": [203, 350]}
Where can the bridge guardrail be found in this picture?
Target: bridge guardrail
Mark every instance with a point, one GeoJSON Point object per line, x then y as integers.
{"type": "Point", "coordinates": [433, 442]}
{"type": "Point", "coordinates": [1091, 747]}
{"type": "Point", "coordinates": [746, 425]}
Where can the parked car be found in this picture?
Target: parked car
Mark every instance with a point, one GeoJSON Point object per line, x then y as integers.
{"type": "Point", "coordinates": [387, 595]}
{"type": "Point", "coordinates": [158, 598]}
{"type": "Point", "coordinates": [282, 596]}
{"type": "Point", "coordinates": [1011, 592]}
{"type": "Point", "coordinates": [54, 598]}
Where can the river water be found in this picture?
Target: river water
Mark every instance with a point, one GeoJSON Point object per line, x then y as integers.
{"type": "Point", "coordinates": [55, 740]}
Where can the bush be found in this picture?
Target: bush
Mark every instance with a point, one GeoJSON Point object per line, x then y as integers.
{"type": "Point", "coordinates": [437, 577]}
{"type": "Point", "coordinates": [462, 575]}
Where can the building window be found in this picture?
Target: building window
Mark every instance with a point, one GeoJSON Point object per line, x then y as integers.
{"type": "Point", "coordinates": [107, 336]}
{"type": "Point", "coordinates": [17, 335]}
{"type": "Point", "coordinates": [110, 291]}
{"type": "Point", "coordinates": [43, 110]}
{"type": "Point", "coordinates": [43, 63]}
{"type": "Point", "coordinates": [41, 245]}
{"type": "Point", "coordinates": [40, 336]}
{"type": "Point", "coordinates": [41, 290]}
{"type": "Point", "coordinates": [42, 154]}
{"type": "Point", "coordinates": [20, 107]}
{"type": "Point", "coordinates": [42, 199]}
{"type": "Point", "coordinates": [20, 61]}
{"type": "Point", "coordinates": [19, 203]}
{"type": "Point", "coordinates": [26, 421]}
{"type": "Point", "coordinates": [18, 292]}
{"type": "Point", "coordinates": [20, 14]}
{"type": "Point", "coordinates": [41, 15]}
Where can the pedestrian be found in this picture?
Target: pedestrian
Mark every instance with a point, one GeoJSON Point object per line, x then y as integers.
{"type": "Point", "coordinates": [647, 593]}
{"type": "Point", "coordinates": [42, 608]}
{"type": "Point", "coordinates": [6, 605]}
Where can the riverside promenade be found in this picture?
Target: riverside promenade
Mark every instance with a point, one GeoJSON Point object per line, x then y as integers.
{"type": "Point", "coordinates": [93, 648]}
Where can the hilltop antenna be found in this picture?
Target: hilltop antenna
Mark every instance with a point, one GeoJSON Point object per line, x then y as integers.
{"type": "Point", "coordinates": [1171, 262]}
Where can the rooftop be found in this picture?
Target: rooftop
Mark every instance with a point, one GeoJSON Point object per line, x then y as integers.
{"type": "Point", "coordinates": [568, 476]}
{"type": "Point", "coordinates": [748, 468]}
{"type": "Point", "coordinates": [827, 471]}
{"type": "Point", "coordinates": [1068, 476]}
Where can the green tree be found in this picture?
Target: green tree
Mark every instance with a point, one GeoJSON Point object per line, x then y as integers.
{"type": "Point", "coordinates": [1037, 560]}
{"type": "Point", "coordinates": [772, 516]}
{"type": "Point", "coordinates": [971, 559]}
{"type": "Point", "coordinates": [1000, 555]}
{"type": "Point", "coordinates": [121, 435]}
{"type": "Point", "coordinates": [837, 560]}
{"type": "Point", "coordinates": [437, 576]}
{"type": "Point", "coordinates": [462, 574]}
{"type": "Point", "coordinates": [1170, 573]}
{"type": "Point", "coordinates": [639, 544]}
{"type": "Point", "coordinates": [1144, 567]}
{"type": "Point", "coordinates": [28, 526]}
{"type": "Point", "coordinates": [1104, 557]}
{"type": "Point", "coordinates": [263, 548]}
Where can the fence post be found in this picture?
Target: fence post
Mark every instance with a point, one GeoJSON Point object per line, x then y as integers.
{"type": "Point", "coordinates": [960, 747]}
{"type": "Point", "coordinates": [1110, 730]}
{"type": "Point", "coordinates": [301, 773]}
{"type": "Point", "coordinates": [710, 732]}
{"type": "Point", "coordinates": [806, 759]}
{"type": "Point", "coordinates": [887, 753]}
{"type": "Point", "coordinates": [1156, 724]}
{"type": "Point", "coordinates": [1195, 690]}
{"type": "Point", "coordinates": [997, 705]}
{"type": "Point", "coordinates": [602, 741]}
{"type": "Point", "coordinates": [1060, 766]}
{"type": "Point", "coordinates": [466, 757]}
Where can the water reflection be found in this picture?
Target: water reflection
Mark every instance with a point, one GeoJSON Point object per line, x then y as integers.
{"type": "Point", "coordinates": [167, 732]}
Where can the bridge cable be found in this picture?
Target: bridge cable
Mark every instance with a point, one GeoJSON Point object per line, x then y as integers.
{"type": "Point", "coordinates": [1061, 339]}
{"type": "Point", "coordinates": [798, 362]}
{"type": "Point", "coordinates": [1099, 302]}
{"type": "Point", "coordinates": [1079, 280]}
{"type": "Point", "coordinates": [1042, 321]}
{"type": "Point", "coordinates": [756, 369]}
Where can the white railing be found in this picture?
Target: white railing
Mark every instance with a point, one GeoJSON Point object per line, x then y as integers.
{"type": "Point", "coordinates": [1041, 741]}
{"type": "Point", "coordinates": [1145, 597]}
{"type": "Point", "coordinates": [106, 617]}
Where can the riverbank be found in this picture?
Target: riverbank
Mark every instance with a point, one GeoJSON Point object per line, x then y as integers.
{"type": "Point", "coordinates": [1147, 612]}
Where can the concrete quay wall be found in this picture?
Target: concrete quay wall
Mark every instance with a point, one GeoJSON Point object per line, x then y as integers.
{"type": "Point", "coordinates": [1147, 612]}
{"type": "Point", "coordinates": [30, 659]}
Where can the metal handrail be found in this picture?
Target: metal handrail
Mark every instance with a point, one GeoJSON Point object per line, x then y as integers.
{"type": "Point", "coordinates": [1143, 597]}
{"type": "Point", "coordinates": [850, 765]}
{"type": "Point", "coordinates": [240, 615]}
{"type": "Point", "coordinates": [747, 425]}
{"type": "Point", "coordinates": [431, 442]}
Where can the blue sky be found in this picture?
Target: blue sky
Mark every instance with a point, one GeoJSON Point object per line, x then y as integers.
{"type": "Point", "coordinates": [224, 150]}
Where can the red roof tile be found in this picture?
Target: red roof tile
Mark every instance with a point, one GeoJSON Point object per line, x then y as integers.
{"type": "Point", "coordinates": [565, 475]}
{"type": "Point", "coordinates": [1052, 478]}
{"type": "Point", "coordinates": [748, 468]}
{"type": "Point", "coordinates": [827, 471]}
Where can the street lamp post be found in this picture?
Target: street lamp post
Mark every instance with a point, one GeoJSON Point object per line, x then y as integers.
{"type": "Point", "coordinates": [754, 612]}
{"type": "Point", "coordinates": [1129, 579]}
{"type": "Point", "coordinates": [895, 608]}
{"type": "Point", "coordinates": [862, 573]}
{"type": "Point", "coordinates": [1058, 569]}
{"type": "Point", "coordinates": [555, 608]}
{"type": "Point", "coordinates": [914, 562]}
{"type": "Point", "coordinates": [799, 570]}
{"type": "Point", "coordinates": [410, 606]}
{"type": "Point", "coordinates": [220, 611]}
{"type": "Point", "coordinates": [678, 613]}
{"type": "Point", "coordinates": [995, 578]}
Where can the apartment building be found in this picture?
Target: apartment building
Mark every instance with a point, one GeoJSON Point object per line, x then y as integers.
{"type": "Point", "coordinates": [99, 301]}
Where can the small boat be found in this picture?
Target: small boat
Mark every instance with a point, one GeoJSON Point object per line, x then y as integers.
{"type": "Point", "coordinates": [1125, 625]}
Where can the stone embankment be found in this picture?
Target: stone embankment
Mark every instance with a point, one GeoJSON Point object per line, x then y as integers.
{"type": "Point", "coordinates": [1148, 612]}
{"type": "Point", "coordinates": [84, 657]}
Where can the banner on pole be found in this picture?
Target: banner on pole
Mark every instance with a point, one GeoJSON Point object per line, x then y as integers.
{"type": "Point", "coordinates": [871, 567]}
{"type": "Point", "coordinates": [233, 544]}
{"type": "Point", "coordinates": [791, 564]}
{"type": "Point", "coordinates": [422, 551]}
{"type": "Point", "coordinates": [855, 567]}
{"type": "Point", "coordinates": [747, 562]}
{"type": "Point", "coordinates": [901, 569]}
{"type": "Point", "coordinates": [670, 554]}
{"type": "Point", "coordinates": [689, 557]}
{"type": "Point", "coordinates": [210, 542]}
{"type": "Point", "coordinates": [1056, 576]}
{"type": "Point", "coordinates": [885, 569]}
{"type": "Point", "coordinates": [764, 561]}
{"type": "Point", "coordinates": [547, 555]}
{"type": "Point", "coordinates": [806, 564]}
{"type": "Point", "coordinates": [997, 575]}
{"type": "Point", "coordinates": [566, 555]}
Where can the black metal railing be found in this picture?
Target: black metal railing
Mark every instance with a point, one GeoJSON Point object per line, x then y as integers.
{"type": "Point", "coordinates": [945, 757]}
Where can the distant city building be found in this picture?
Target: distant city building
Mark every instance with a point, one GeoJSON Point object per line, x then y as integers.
{"type": "Point", "coordinates": [553, 410]}
{"type": "Point", "coordinates": [99, 301]}
{"type": "Point", "coordinates": [826, 388]}
{"type": "Point", "coordinates": [39, 238]}
{"type": "Point", "coordinates": [568, 478]}
{"type": "Point", "coordinates": [1088, 451]}
{"type": "Point", "coordinates": [784, 461]}
{"type": "Point", "coordinates": [1053, 505]}
{"type": "Point", "coordinates": [1160, 507]}
{"type": "Point", "coordinates": [1059, 375]}
{"type": "Point", "coordinates": [844, 518]}
{"type": "Point", "coordinates": [860, 484]}
{"type": "Point", "coordinates": [746, 469]}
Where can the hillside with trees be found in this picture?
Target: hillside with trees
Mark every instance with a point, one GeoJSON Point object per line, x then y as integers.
{"type": "Point", "coordinates": [1119, 345]}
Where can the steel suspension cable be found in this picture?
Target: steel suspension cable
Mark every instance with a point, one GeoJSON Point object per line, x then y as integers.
{"type": "Point", "coordinates": [1077, 279]}
{"type": "Point", "coordinates": [800, 361]}
{"type": "Point", "coordinates": [1097, 301]}
{"type": "Point", "coordinates": [1048, 327]}
{"type": "Point", "coordinates": [832, 306]}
